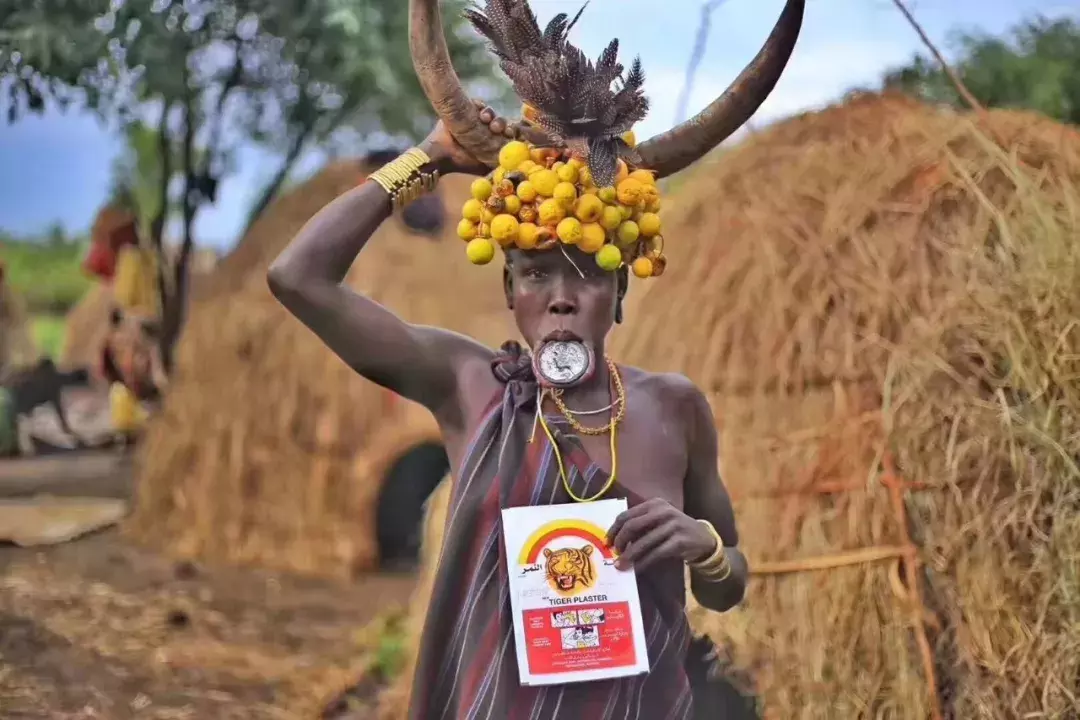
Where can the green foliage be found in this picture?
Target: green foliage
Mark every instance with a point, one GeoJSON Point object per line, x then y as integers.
{"type": "Point", "coordinates": [47, 332]}
{"type": "Point", "coordinates": [45, 271]}
{"type": "Point", "coordinates": [1036, 67]}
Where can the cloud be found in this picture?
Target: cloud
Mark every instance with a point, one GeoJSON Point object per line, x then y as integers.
{"type": "Point", "coordinates": [817, 75]}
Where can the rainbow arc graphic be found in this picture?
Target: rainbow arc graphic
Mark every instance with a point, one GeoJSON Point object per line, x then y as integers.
{"type": "Point", "coordinates": [560, 529]}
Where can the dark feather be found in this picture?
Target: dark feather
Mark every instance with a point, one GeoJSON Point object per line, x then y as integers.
{"type": "Point", "coordinates": [584, 104]}
{"type": "Point", "coordinates": [602, 161]}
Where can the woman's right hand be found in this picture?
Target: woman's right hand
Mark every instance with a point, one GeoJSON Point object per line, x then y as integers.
{"type": "Point", "coordinates": [451, 157]}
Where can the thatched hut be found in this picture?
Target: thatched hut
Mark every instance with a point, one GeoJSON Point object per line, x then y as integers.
{"type": "Point", "coordinates": [269, 449]}
{"type": "Point", "coordinates": [882, 308]}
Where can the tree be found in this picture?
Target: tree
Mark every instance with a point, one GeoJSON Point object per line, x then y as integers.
{"type": "Point", "coordinates": [1036, 67]}
{"type": "Point", "coordinates": [208, 76]}
{"type": "Point", "coordinates": [364, 81]}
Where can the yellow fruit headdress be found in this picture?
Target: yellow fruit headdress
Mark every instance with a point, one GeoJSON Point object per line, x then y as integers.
{"type": "Point", "coordinates": [586, 182]}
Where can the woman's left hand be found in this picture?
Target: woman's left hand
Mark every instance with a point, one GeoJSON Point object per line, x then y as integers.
{"type": "Point", "coordinates": [656, 530]}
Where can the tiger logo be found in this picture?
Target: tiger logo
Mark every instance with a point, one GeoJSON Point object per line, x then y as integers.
{"type": "Point", "coordinates": [569, 567]}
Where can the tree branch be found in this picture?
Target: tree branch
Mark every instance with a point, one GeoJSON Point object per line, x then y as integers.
{"type": "Point", "coordinates": [961, 88]}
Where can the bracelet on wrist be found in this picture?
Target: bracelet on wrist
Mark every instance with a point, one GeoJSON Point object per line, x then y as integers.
{"type": "Point", "coordinates": [716, 566]}
{"type": "Point", "coordinates": [404, 179]}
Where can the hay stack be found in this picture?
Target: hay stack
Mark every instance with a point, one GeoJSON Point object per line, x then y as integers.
{"type": "Point", "coordinates": [881, 254]}
{"type": "Point", "coordinates": [269, 449]}
{"type": "Point", "coordinates": [17, 348]}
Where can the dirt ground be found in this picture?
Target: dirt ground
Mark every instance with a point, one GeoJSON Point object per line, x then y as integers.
{"type": "Point", "coordinates": [98, 628]}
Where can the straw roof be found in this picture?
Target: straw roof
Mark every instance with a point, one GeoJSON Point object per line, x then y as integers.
{"type": "Point", "coordinates": [882, 308]}
{"type": "Point", "coordinates": [269, 449]}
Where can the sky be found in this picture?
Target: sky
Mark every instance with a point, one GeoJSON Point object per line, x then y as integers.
{"type": "Point", "coordinates": [55, 168]}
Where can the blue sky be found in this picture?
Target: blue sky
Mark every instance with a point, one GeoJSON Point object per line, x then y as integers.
{"type": "Point", "coordinates": [55, 168]}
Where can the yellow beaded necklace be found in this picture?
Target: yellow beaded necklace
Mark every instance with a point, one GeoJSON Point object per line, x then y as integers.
{"type": "Point", "coordinates": [618, 411]}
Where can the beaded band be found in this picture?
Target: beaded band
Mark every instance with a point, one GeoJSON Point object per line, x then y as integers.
{"type": "Point", "coordinates": [403, 180]}
{"type": "Point", "coordinates": [716, 567]}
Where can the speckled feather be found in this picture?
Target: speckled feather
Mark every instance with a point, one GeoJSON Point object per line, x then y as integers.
{"type": "Point", "coordinates": [576, 100]}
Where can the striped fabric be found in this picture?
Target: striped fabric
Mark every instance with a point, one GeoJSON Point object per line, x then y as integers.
{"type": "Point", "coordinates": [467, 669]}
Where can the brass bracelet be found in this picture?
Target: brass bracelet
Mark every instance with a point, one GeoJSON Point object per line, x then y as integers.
{"type": "Point", "coordinates": [716, 566]}
{"type": "Point", "coordinates": [403, 180]}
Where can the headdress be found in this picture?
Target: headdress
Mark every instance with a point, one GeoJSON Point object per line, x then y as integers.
{"type": "Point", "coordinates": [587, 182]}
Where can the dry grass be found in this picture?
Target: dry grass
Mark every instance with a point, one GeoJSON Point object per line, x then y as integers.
{"type": "Point", "coordinates": [880, 284]}
{"type": "Point", "coordinates": [269, 449]}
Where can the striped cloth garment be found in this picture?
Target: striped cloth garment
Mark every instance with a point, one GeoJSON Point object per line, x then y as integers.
{"type": "Point", "coordinates": [467, 667]}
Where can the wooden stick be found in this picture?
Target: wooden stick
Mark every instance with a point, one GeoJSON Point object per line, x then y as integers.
{"type": "Point", "coordinates": [953, 77]}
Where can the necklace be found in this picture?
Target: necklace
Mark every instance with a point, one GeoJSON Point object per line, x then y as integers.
{"type": "Point", "coordinates": [620, 402]}
{"type": "Point", "coordinates": [617, 417]}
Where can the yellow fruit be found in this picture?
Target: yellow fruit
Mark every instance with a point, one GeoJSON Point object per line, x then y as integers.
{"type": "Point", "coordinates": [486, 215]}
{"type": "Point", "coordinates": [642, 267]}
{"type": "Point", "coordinates": [608, 195]}
{"type": "Point", "coordinates": [592, 237]}
{"type": "Point", "coordinates": [585, 176]}
{"type": "Point", "coordinates": [653, 205]}
{"type": "Point", "coordinates": [645, 177]}
{"type": "Point", "coordinates": [480, 251]}
{"type": "Point", "coordinates": [483, 230]}
{"type": "Point", "coordinates": [498, 176]}
{"type": "Point", "coordinates": [609, 258]}
{"type": "Point", "coordinates": [480, 189]}
{"type": "Point", "coordinates": [504, 188]}
{"type": "Point", "coordinates": [649, 224]}
{"type": "Point", "coordinates": [513, 204]}
{"type": "Point", "coordinates": [526, 191]}
{"type": "Point", "coordinates": [629, 138]}
{"type": "Point", "coordinates": [513, 154]}
{"type": "Point", "coordinates": [538, 155]}
{"type": "Point", "coordinates": [611, 217]}
{"type": "Point", "coordinates": [527, 167]}
{"type": "Point", "coordinates": [659, 263]}
{"type": "Point", "coordinates": [466, 229]}
{"type": "Point", "coordinates": [628, 233]}
{"type": "Point", "coordinates": [528, 214]}
{"type": "Point", "coordinates": [471, 209]}
{"type": "Point", "coordinates": [504, 229]}
{"type": "Point", "coordinates": [649, 195]}
{"type": "Point", "coordinates": [565, 193]}
{"type": "Point", "coordinates": [567, 173]}
{"type": "Point", "coordinates": [576, 162]}
{"type": "Point", "coordinates": [545, 182]}
{"type": "Point", "coordinates": [551, 212]}
{"type": "Point", "coordinates": [527, 236]}
{"type": "Point", "coordinates": [569, 231]}
{"type": "Point", "coordinates": [621, 172]}
{"type": "Point", "coordinates": [591, 190]}
{"type": "Point", "coordinates": [629, 191]}
{"type": "Point", "coordinates": [627, 211]}
{"type": "Point", "coordinates": [588, 208]}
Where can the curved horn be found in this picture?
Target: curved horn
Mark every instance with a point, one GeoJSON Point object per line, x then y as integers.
{"type": "Point", "coordinates": [670, 152]}
{"type": "Point", "coordinates": [431, 58]}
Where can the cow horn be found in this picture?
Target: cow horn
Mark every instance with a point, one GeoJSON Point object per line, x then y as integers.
{"type": "Point", "coordinates": [441, 85]}
{"type": "Point", "coordinates": [670, 152]}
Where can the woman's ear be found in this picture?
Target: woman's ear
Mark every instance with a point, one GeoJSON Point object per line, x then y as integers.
{"type": "Point", "coordinates": [508, 286]}
{"type": "Point", "coordinates": [622, 281]}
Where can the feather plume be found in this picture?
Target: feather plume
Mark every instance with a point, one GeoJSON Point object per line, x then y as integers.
{"type": "Point", "coordinates": [582, 104]}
